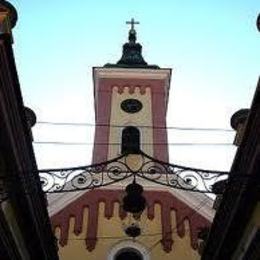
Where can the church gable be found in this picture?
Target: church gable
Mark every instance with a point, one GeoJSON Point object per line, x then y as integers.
{"type": "Point", "coordinates": [168, 203]}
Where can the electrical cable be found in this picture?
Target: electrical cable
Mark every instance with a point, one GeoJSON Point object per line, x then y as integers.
{"type": "Point", "coordinates": [86, 143]}
{"type": "Point", "coordinates": [121, 237]}
{"type": "Point", "coordinates": [139, 126]}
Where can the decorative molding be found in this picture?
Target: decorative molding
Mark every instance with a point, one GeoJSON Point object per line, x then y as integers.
{"type": "Point", "coordinates": [91, 200]}
{"type": "Point", "coordinates": [58, 201]}
{"type": "Point", "coordinates": [128, 75]}
{"type": "Point", "coordinates": [136, 73]}
{"type": "Point", "coordinates": [131, 89]}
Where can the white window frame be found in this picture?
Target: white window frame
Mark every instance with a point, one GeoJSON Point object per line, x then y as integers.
{"type": "Point", "coordinates": [128, 244]}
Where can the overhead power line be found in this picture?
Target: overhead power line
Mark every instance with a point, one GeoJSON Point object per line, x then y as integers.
{"type": "Point", "coordinates": [86, 143]}
{"type": "Point", "coordinates": [140, 126]}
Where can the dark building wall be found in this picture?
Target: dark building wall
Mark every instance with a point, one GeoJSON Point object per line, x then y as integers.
{"type": "Point", "coordinates": [23, 204]}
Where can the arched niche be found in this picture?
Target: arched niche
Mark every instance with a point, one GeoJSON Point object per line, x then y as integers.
{"type": "Point", "coordinates": [130, 140]}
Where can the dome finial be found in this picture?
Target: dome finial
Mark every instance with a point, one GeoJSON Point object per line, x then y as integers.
{"type": "Point", "coordinates": [132, 52]}
{"type": "Point", "coordinates": [132, 32]}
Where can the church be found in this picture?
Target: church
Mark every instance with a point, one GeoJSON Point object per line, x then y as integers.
{"type": "Point", "coordinates": [131, 98]}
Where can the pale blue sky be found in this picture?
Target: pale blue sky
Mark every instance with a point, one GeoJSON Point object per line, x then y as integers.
{"type": "Point", "coordinates": [213, 48]}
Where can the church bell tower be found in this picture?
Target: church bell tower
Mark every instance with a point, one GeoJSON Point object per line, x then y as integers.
{"type": "Point", "coordinates": [131, 99]}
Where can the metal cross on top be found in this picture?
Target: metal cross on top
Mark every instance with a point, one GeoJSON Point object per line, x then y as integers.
{"type": "Point", "coordinates": [132, 22]}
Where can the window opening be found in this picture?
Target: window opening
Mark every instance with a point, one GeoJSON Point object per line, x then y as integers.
{"type": "Point", "coordinates": [130, 140]}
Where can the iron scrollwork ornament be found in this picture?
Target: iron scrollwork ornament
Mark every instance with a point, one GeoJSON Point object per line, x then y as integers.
{"type": "Point", "coordinates": [179, 177]}
{"type": "Point", "coordinates": [116, 170]}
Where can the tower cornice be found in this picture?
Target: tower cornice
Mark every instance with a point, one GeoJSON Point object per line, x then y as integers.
{"type": "Point", "coordinates": [101, 72]}
{"type": "Point", "coordinates": [133, 73]}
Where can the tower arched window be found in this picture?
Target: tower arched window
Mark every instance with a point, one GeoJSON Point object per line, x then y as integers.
{"type": "Point", "coordinates": [130, 140]}
{"type": "Point", "coordinates": [128, 254]}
